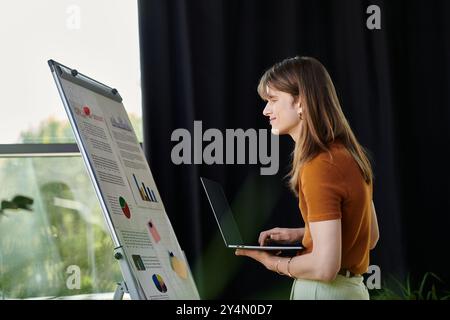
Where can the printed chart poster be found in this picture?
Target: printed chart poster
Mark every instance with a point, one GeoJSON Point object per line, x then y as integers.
{"type": "Point", "coordinates": [132, 201]}
{"type": "Point", "coordinates": [136, 169]}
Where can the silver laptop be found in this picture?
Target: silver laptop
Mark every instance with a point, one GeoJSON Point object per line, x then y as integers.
{"type": "Point", "coordinates": [225, 220]}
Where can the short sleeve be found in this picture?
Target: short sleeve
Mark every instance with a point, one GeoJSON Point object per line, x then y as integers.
{"type": "Point", "coordinates": [323, 189]}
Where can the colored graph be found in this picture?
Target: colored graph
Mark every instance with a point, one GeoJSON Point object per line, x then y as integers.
{"type": "Point", "coordinates": [178, 266]}
{"type": "Point", "coordinates": [159, 283]}
{"type": "Point", "coordinates": [86, 110]}
{"type": "Point", "coordinates": [154, 232]}
{"type": "Point", "coordinates": [120, 123]}
{"type": "Point", "coordinates": [145, 192]}
{"type": "Point", "coordinates": [138, 262]}
{"type": "Point", "coordinates": [125, 208]}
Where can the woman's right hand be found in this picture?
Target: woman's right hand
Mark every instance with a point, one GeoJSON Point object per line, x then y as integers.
{"type": "Point", "coordinates": [281, 235]}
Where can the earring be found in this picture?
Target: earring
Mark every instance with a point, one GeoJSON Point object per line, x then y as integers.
{"type": "Point", "coordinates": [300, 115]}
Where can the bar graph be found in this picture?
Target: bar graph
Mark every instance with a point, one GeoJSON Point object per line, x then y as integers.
{"type": "Point", "coordinates": [145, 192]}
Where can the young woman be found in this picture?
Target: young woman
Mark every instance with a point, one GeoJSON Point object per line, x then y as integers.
{"type": "Point", "coordinates": [332, 177]}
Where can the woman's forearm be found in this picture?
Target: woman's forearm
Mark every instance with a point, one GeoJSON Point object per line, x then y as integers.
{"type": "Point", "coordinates": [324, 262]}
{"type": "Point", "coordinates": [307, 266]}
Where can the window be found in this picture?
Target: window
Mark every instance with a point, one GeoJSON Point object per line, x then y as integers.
{"type": "Point", "coordinates": [99, 38]}
{"type": "Point", "coordinates": [42, 251]}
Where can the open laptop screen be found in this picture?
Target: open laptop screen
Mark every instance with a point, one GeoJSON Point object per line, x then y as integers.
{"type": "Point", "coordinates": [222, 212]}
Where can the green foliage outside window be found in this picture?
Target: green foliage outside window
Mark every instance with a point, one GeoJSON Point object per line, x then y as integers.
{"type": "Point", "coordinates": [65, 227]}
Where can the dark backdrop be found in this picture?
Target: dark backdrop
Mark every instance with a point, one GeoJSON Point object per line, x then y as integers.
{"type": "Point", "coordinates": [202, 59]}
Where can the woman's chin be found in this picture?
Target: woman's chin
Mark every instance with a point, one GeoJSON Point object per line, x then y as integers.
{"type": "Point", "coordinates": [275, 131]}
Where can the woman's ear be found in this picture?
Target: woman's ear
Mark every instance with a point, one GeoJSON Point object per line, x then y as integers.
{"type": "Point", "coordinates": [297, 101]}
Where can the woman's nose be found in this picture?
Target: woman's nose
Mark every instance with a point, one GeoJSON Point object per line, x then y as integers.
{"type": "Point", "coordinates": [266, 110]}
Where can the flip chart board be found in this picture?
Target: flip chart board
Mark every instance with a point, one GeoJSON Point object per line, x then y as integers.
{"type": "Point", "coordinates": [152, 262]}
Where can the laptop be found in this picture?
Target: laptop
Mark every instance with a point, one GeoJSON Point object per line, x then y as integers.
{"type": "Point", "coordinates": [225, 220]}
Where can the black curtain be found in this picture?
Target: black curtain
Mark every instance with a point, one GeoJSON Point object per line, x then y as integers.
{"type": "Point", "coordinates": [201, 60]}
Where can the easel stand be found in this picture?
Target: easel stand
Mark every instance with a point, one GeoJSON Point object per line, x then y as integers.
{"type": "Point", "coordinates": [120, 290]}
{"type": "Point", "coordinates": [74, 86]}
{"type": "Point", "coordinates": [129, 285]}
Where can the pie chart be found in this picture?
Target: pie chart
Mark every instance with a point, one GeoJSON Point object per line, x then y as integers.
{"type": "Point", "coordinates": [159, 283]}
{"type": "Point", "coordinates": [125, 209]}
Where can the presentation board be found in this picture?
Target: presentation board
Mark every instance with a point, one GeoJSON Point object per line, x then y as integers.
{"type": "Point", "coordinates": [151, 259]}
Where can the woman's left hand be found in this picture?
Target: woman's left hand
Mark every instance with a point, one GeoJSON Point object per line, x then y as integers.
{"type": "Point", "coordinates": [262, 256]}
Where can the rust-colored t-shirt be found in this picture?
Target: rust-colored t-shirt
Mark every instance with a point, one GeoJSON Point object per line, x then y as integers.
{"type": "Point", "coordinates": [334, 188]}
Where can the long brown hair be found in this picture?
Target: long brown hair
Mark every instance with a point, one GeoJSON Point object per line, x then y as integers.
{"type": "Point", "coordinates": [323, 120]}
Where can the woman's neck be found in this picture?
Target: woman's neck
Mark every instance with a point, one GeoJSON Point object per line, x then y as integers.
{"type": "Point", "coordinates": [295, 133]}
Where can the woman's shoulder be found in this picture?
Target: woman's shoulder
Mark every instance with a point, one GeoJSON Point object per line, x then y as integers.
{"type": "Point", "coordinates": [335, 155]}
{"type": "Point", "coordinates": [327, 167]}
{"type": "Point", "coordinates": [335, 161]}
